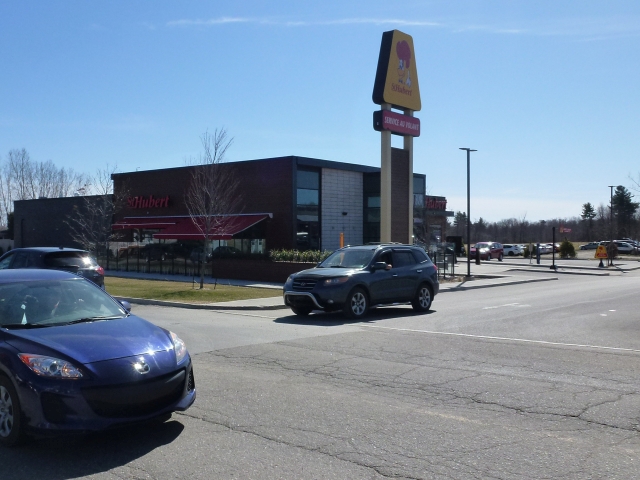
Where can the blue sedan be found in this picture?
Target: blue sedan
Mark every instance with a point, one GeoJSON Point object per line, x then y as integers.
{"type": "Point", "coordinates": [73, 359]}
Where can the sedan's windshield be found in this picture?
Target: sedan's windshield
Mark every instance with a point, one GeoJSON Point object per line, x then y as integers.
{"type": "Point", "coordinates": [54, 302]}
{"type": "Point", "coordinates": [348, 259]}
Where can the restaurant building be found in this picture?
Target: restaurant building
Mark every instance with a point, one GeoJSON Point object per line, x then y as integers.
{"type": "Point", "coordinates": [284, 203]}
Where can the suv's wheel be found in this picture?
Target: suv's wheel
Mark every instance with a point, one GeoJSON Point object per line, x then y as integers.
{"type": "Point", "coordinates": [422, 301]}
{"type": "Point", "coordinates": [357, 304]}
{"type": "Point", "coordinates": [301, 311]}
{"type": "Point", "coordinates": [488, 256]}
{"type": "Point", "coordinates": [511, 253]}
{"type": "Point", "coordinates": [10, 414]}
{"type": "Point", "coordinates": [500, 257]}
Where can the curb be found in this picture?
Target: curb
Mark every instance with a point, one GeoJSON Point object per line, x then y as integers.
{"type": "Point", "coordinates": [199, 306]}
{"type": "Point", "coordinates": [471, 286]}
{"type": "Point", "coordinates": [564, 272]}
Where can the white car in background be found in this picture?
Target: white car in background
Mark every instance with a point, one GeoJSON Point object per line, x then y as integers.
{"type": "Point", "coordinates": [511, 250]}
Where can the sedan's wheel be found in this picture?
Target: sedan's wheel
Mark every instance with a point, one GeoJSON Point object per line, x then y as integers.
{"type": "Point", "coordinates": [301, 311]}
{"type": "Point", "coordinates": [357, 304]}
{"type": "Point", "coordinates": [422, 301]}
{"type": "Point", "coordinates": [10, 421]}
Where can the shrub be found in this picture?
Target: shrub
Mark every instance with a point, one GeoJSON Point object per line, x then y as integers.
{"type": "Point", "coordinates": [308, 256]}
{"type": "Point", "coordinates": [567, 250]}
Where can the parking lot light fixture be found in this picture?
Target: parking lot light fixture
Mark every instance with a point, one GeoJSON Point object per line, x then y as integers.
{"type": "Point", "coordinates": [469, 150]}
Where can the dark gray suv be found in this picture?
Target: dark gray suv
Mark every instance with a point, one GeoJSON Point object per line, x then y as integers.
{"type": "Point", "coordinates": [354, 279]}
{"type": "Point", "coordinates": [72, 260]}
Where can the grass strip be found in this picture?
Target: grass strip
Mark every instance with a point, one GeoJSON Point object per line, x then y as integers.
{"type": "Point", "coordinates": [183, 291]}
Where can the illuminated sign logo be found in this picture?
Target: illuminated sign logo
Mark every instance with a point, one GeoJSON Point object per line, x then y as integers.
{"type": "Point", "coordinates": [148, 202]}
{"type": "Point", "coordinates": [397, 76]}
{"type": "Point", "coordinates": [435, 203]}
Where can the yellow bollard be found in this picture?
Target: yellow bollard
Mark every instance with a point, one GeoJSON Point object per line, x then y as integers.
{"type": "Point", "coordinates": [341, 240]}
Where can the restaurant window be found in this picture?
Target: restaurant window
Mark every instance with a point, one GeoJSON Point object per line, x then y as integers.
{"type": "Point", "coordinates": [308, 210]}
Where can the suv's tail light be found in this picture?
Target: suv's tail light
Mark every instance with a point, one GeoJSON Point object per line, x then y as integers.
{"type": "Point", "coordinates": [100, 270]}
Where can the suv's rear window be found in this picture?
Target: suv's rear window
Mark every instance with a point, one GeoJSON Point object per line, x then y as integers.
{"type": "Point", "coordinates": [69, 259]}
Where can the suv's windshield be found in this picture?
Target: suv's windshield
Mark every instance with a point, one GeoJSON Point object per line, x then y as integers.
{"type": "Point", "coordinates": [54, 302]}
{"type": "Point", "coordinates": [348, 259]}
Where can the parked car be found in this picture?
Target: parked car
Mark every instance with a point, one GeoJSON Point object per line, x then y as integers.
{"type": "Point", "coordinates": [512, 250]}
{"type": "Point", "coordinates": [198, 256]}
{"type": "Point", "coordinates": [71, 260]}
{"type": "Point", "coordinates": [156, 251]}
{"type": "Point", "coordinates": [624, 247]}
{"type": "Point", "coordinates": [544, 248]}
{"type": "Point", "coordinates": [356, 278]}
{"type": "Point", "coordinates": [73, 359]}
{"type": "Point", "coordinates": [589, 246]}
{"type": "Point", "coordinates": [488, 250]}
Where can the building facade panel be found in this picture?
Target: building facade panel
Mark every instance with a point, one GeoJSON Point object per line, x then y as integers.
{"type": "Point", "coordinates": [342, 209]}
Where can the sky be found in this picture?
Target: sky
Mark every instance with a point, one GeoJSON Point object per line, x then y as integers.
{"type": "Point", "coordinates": [547, 92]}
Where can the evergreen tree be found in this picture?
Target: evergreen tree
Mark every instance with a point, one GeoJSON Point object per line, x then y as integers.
{"type": "Point", "coordinates": [588, 214]}
{"type": "Point", "coordinates": [623, 210]}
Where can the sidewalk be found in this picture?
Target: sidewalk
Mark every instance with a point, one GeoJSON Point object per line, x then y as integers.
{"type": "Point", "coordinates": [486, 275]}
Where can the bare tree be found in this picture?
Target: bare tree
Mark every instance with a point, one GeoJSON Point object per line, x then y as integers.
{"type": "Point", "coordinates": [90, 223]}
{"type": "Point", "coordinates": [24, 179]}
{"type": "Point", "coordinates": [212, 194]}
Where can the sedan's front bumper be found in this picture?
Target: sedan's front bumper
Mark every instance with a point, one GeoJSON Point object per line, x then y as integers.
{"type": "Point", "coordinates": [56, 406]}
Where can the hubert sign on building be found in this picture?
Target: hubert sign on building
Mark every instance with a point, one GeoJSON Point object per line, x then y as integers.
{"type": "Point", "coordinates": [396, 87]}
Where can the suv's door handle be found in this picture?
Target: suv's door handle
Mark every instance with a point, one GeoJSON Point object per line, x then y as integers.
{"type": "Point", "coordinates": [419, 271]}
{"type": "Point", "coordinates": [394, 275]}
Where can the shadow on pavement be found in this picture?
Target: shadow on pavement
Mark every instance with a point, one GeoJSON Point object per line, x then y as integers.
{"type": "Point", "coordinates": [335, 319]}
{"type": "Point", "coordinates": [73, 456]}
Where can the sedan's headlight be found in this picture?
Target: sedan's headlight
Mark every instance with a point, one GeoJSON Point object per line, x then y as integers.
{"type": "Point", "coordinates": [179, 347]}
{"type": "Point", "coordinates": [49, 366]}
{"type": "Point", "coordinates": [335, 281]}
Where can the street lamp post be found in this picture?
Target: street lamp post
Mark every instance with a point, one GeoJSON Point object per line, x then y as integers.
{"type": "Point", "coordinates": [611, 187]}
{"type": "Point", "coordinates": [469, 150]}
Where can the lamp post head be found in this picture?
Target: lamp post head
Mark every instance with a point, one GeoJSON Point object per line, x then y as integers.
{"type": "Point", "coordinates": [468, 149]}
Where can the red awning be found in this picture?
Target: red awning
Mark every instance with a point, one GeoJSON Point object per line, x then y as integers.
{"type": "Point", "coordinates": [183, 228]}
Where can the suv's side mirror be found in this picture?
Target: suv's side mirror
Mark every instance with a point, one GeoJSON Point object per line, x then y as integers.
{"type": "Point", "coordinates": [379, 266]}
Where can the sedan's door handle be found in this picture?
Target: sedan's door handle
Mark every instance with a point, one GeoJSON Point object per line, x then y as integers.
{"type": "Point", "coordinates": [394, 275]}
{"type": "Point", "coordinates": [419, 271]}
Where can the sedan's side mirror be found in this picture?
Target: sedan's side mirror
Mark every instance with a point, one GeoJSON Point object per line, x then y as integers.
{"type": "Point", "coordinates": [379, 266]}
{"type": "Point", "coordinates": [126, 305]}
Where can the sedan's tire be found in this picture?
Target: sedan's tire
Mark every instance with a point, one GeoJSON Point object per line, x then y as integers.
{"type": "Point", "coordinates": [11, 432]}
{"type": "Point", "coordinates": [301, 311]}
{"type": "Point", "coordinates": [422, 301]}
{"type": "Point", "coordinates": [357, 304]}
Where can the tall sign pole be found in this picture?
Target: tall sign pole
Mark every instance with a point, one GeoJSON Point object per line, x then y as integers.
{"type": "Point", "coordinates": [396, 87]}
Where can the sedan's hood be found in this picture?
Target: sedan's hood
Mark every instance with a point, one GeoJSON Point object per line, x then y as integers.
{"type": "Point", "coordinates": [328, 272]}
{"type": "Point", "coordinates": [95, 341]}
